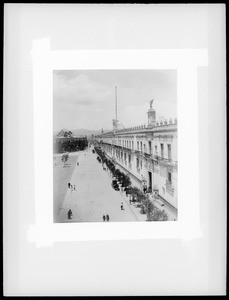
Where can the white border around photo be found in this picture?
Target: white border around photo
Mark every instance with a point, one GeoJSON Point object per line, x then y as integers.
{"type": "Point", "coordinates": [186, 63]}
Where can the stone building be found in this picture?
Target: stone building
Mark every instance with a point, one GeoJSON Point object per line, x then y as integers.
{"type": "Point", "coordinates": [148, 154]}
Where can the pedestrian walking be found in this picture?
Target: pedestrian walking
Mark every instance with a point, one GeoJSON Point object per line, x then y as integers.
{"type": "Point", "coordinates": [74, 187]}
{"type": "Point", "coordinates": [104, 218]}
{"type": "Point", "coordinates": [69, 214]}
{"type": "Point", "coordinates": [122, 206]}
{"type": "Point", "coordinates": [69, 185]}
{"type": "Point", "coordinates": [107, 217]}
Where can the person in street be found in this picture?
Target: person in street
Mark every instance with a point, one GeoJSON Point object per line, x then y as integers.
{"type": "Point", "coordinates": [74, 187]}
{"type": "Point", "coordinates": [69, 214]}
{"type": "Point", "coordinates": [122, 206]}
{"type": "Point", "coordinates": [107, 217]}
{"type": "Point", "coordinates": [144, 188]}
{"type": "Point", "coordinates": [69, 185]}
{"type": "Point", "coordinates": [104, 218]}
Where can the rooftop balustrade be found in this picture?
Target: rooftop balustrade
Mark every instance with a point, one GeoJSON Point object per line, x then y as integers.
{"type": "Point", "coordinates": [144, 126]}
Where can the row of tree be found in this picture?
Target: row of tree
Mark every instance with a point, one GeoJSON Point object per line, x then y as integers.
{"type": "Point", "coordinates": [143, 201]}
{"type": "Point", "coordinates": [70, 144]}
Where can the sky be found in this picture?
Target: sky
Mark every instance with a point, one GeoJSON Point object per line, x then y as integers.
{"type": "Point", "coordinates": [86, 99]}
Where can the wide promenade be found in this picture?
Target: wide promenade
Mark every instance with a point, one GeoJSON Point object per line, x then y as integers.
{"type": "Point", "coordinates": [94, 195]}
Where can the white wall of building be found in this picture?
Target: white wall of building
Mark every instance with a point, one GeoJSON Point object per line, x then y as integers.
{"type": "Point", "coordinates": [134, 143]}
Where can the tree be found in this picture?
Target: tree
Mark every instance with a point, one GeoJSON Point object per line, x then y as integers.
{"type": "Point", "coordinates": [126, 180]}
{"type": "Point", "coordinates": [157, 215]}
{"type": "Point", "coordinates": [65, 158]}
{"type": "Point", "coordinates": [67, 143]}
{"type": "Point", "coordinates": [153, 212]}
{"type": "Point", "coordinates": [118, 174]}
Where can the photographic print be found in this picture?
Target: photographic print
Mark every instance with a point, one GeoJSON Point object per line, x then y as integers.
{"type": "Point", "coordinates": [114, 146]}
{"type": "Point", "coordinates": [100, 102]}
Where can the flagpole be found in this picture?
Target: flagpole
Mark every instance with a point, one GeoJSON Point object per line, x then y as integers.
{"type": "Point", "coordinates": [116, 103]}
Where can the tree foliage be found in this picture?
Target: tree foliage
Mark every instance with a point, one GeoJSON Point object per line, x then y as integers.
{"type": "Point", "coordinates": [71, 144]}
{"type": "Point", "coordinates": [157, 215]}
{"type": "Point", "coordinates": [65, 158]}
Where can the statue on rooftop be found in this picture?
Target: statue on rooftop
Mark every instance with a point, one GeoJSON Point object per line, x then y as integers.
{"type": "Point", "coordinates": [151, 103]}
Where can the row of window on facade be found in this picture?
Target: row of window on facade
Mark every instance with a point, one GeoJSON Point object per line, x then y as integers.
{"type": "Point", "coordinates": [125, 157]}
{"type": "Point", "coordinates": [169, 150]}
{"type": "Point", "coordinates": [142, 148]}
{"type": "Point", "coordinates": [139, 165]}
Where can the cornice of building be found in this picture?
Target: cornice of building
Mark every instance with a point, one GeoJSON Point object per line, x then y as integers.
{"type": "Point", "coordinates": [144, 130]}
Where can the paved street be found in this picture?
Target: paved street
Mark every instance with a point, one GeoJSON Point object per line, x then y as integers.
{"type": "Point", "coordinates": [94, 195]}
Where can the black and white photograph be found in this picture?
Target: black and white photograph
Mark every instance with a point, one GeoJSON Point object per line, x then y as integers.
{"type": "Point", "coordinates": [114, 149]}
{"type": "Point", "coordinates": [114, 146]}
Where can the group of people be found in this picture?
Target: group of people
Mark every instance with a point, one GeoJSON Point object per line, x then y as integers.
{"type": "Point", "coordinates": [106, 218]}
{"type": "Point", "coordinates": [72, 187]}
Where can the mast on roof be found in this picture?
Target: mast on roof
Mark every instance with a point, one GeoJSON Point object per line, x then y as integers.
{"type": "Point", "coordinates": [116, 108]}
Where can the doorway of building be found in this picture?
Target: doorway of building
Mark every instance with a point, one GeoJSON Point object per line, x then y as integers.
{"type": "Point", "coordinates": [150, 180]}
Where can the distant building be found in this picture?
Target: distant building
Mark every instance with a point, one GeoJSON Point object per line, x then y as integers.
{"type": "Point", "coordinates": [148, 154]}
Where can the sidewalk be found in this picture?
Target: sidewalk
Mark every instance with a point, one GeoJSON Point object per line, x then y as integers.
{"type": "Point", "coordinates": [136, 210]}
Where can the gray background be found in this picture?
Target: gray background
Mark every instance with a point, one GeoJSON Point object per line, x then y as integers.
{"type": "Point", "coordinates": [146, 267]}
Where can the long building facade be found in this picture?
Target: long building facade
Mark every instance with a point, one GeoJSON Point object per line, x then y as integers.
{"type": "Point", "coordinates": [148, 154]}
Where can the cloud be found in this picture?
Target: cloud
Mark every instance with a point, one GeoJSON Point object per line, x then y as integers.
{"type": "Point", "coordinates": [80, 90]}
{"type": "Point", "coordinates": [87, 98]}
